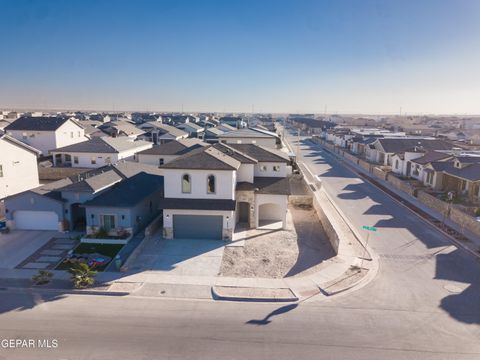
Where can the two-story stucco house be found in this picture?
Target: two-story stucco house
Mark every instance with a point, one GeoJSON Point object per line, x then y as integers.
{"type": "Point", "coordinates": [46, 133]}
{"type": "Point", "coordinates": [98, 152]}
{"type": "Point", "coordinates": [18, 166]}
{"type": "Point", "coordinates": [208, 191]}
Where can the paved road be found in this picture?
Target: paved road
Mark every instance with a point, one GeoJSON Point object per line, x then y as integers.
{"type": "Point", "coordinates": [423, 304]}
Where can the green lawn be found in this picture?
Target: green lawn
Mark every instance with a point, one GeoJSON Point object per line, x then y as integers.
{"type": "Point", "coordinates": [109, 250]}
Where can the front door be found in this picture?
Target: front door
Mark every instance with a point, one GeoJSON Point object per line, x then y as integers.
{"type": "Point", "coordinates": [243, 208]}
{"type": "Point", "coordinates": [108, 222]}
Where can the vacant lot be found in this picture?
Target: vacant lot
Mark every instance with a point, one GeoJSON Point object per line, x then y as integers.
{"type": "Point", "coordinates": [301, 249]}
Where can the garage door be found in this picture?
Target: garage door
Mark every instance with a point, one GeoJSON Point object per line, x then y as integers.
{"type": "Point", "coordinates": [35, 220]}
{"type": "Point", "coordinates": [197, 227]}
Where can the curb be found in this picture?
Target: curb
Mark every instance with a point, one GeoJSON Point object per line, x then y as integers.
{"type": "Point", "coordinates": [217, 295]}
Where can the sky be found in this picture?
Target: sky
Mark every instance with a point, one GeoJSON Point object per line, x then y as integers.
{"type": "Point", "coordinates": [370, 57]}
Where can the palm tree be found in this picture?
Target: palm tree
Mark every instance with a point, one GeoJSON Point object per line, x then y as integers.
{"type": "Point", "coordinates": [82, 275]}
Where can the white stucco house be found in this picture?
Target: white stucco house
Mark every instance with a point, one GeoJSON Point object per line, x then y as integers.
{"type": "Point", "coordinates": [46, 133]}
{"type": "Point", "coordinates": [18, 166]}
{"type": "Point", "coordinates": [209, 191]}
{"type": "Point", "coordinates": [98, 152]}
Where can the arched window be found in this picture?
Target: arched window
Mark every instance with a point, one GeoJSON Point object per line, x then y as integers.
{"type": "Point", "coordinates": [396, 164]}
{"type": "Point", "coordinates": [186, 184]}
{"type": "Point", "coordinates": [211, 184]}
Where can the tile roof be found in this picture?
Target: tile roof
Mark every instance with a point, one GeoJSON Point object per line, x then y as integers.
{"type": "Point", "coordinates": [261, 153]}
{"type": "Point", "coordinates": [174, 147]}
{"type": "Point", "coordinates": [105, 144]}
{"type": "Point", "coordinates": [235, 153]}
{"type": "Point", "coordinates": [248, 133]}
{"type": "Point", "coordinates": [431, 156]}
{"type": "Point", "coordinates": [197, 204]}
{"type": "Point", "coordinates": [470, 172]}
{"type": "Point", "coordinates": [267, 185]}
{"type": "Point", "coordinates": [204, 159]}
{"type": "Point", "coordinates": [42, 123]}
{"type": "Point", "coordinates": [391, 145]}
{"type": "Point", "coordinates": [129, 192]}
{"type": "Point", "coordinates": [167, 129]}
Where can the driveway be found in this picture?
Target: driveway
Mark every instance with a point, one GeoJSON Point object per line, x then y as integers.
{"type": "Point", "coordinates": [181, 256]}
{"type": "Point", "coordinates": [20, 244]}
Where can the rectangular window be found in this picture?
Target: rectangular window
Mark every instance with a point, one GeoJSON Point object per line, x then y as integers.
{"type": "Point", "coordinates": [108, 222]}
{"type": "Point", "coordinates": [161, 161]}
{"type": "Point", "coordinates": [1, 170]}
{"type": "Point", "coordinates": [93, 160]}
{"type": "Point", "coordinates": [79, 134]}
{"type": "Point", "coordinates": [71, 134]}
{"type": "Point", "coordinates": [75, 159]}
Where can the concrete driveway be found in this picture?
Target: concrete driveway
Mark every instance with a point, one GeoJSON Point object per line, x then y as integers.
{"type": "Point", "coordinates": [181, 257]}
{"type": "Point", "coordinates": [20, 244]}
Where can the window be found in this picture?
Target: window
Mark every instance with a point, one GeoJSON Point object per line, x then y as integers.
{"type": "Point", "coordinates": [396, 164]}
{"type": "Point", "coordinates": [211, 184]}
{"type": "Point", "coordinates": [71, 134]}
{"type": "Point", "coordinates": [79, 134]}
{"type": "Point", "coordinates": [1, 170]}
{"type": "Point", "coordinates": [75, 159]}
{"type": "Point", "coordinates": [108, 160]}
{"type": "Point", "coordinates": [186, 184]}
{"type": "Point", "coordinates": [263, 168]}
{"type": "Point", "coordinates": [160, 161]}
{"type": "Point", "coordinates": [93, 160]}
{"type": "Point", "coordinates": [276, 168]}
{"type": "Point", "coordinates": [25, 136]}
{"type": "Point", "coordinates": [108, 222]}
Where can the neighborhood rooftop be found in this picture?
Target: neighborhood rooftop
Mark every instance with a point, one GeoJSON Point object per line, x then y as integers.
{"type": "Point", "coordinates": [44, 123]}
{"type": "Point", "coordinates": [103, 144]}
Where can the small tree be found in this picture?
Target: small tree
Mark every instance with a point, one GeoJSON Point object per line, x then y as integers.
{"type": "Point", "coordinates": [42, 277]}
{"type": "Point", "coordinates": [82, 275]}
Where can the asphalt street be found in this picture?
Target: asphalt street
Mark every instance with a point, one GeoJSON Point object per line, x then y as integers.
{"type": "Point", "coordinates": [424, 303]}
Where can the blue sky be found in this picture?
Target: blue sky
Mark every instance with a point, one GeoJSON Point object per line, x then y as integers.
{"type": "Point", "coordinates": [279, 56]}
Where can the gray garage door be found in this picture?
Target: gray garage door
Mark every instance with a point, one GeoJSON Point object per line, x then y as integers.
{"type": "Point", "coordinates": [197, 227]}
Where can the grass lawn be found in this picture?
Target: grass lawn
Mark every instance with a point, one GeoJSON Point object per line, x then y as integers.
{"type": "Point", "coordinates": [109, 250]}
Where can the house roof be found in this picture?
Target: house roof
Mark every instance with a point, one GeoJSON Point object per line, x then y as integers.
{"type": "Point", "coordinates": [248, 133]}
{"type": "Point", "coordinates": [191, 125]}
{"type": "Point", "coordinates": [235, 153]}
{"type": "Point", "coordinates": [204, 159]}
{"type": "Point", "coordinates": [440, 165]}
{"type": "Point", "coordinates": [261, 153]}
{"type": "Point", "coordinates": [20, 144]}
{"type": "Point", "coordinates": [215, 131]}
{"type": "Point", "coordinates": [174, 147]}
{"type": "Point", "coordinates": [105, 144]}
{"type": "Point", "coordinates": [431, 156]}
{"type": "Point", "coordinates": [122, 126]}
{"type": "Point", "coordinates": [391, 145]}
{"type": "Point", "coordinates": [42, 123]}
{"type": "Point", "coordinates": [129, 192]}
{"type": "Point", "coordinates": [267, 185]}
{"type": "Point", "coordinates": [197, 204]}
{"type": "Point", "coordinates": [470, 172]}
{"type": "Point", "coordinates": [166, 129]}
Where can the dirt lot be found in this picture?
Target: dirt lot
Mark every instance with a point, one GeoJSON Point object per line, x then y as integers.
{"type": "Point", "coordinates": [301, 249]}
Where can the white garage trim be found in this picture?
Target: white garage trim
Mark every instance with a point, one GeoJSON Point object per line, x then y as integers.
{"type": "Point", "coordinates": [35, 220]}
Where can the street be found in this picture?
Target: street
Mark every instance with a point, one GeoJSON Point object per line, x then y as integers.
{"type": "Point", "coordinates": [423, 304]}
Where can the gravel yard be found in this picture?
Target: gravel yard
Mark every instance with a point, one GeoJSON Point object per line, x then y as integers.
{"type": "Point", "coordinates": [301, 249]}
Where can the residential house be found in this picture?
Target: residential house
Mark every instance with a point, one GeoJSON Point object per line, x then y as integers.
{"type": "Point", "coordinates": [412, 163]}
{"type": "Point", "coordinates": [59, 205]}
{"type": "Point", "coordinates": [125, 208]}
{"type": "Point", "coordinates": [98, 152]}
{"type": "Point", "coordinates": [209, 191]}
{"type": "Point", "coordinates": [225, 127]}
{"type": "Point", "coordinates": [158, 133]}
{"type": "Point", "coordinates": [18, 166]}
{"type": "Point", "coordinates": [251, 136]}
{"type": "Point", "coordinates": [194, 130]}
{"type": "Point", "coordinates": [234, 121]}
{"type": "Point", "coordinates": [121, 128]}
{"type": "Point", "coordinates": [46, 133]}
{"type": "Point", "coordinates": [211, 134]}
{"type": "Point", "coordinates": [164, 153]}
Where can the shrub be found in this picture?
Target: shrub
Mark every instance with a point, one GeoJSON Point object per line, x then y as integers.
{"type": "Point", "coordinates": [82, 275]}
{"type": "Point", "coordinates": [42, 277]}
{"type": "Point", "coordinates": [102, 233]}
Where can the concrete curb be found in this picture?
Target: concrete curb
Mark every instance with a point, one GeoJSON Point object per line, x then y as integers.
{"type": "Point", "coordinates": [222, 293]}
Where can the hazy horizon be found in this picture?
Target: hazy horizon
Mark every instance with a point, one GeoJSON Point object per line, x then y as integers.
{"type": "Point", "coordinates": [344, 57]}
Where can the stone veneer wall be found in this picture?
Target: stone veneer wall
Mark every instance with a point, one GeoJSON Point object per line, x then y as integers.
{"type": "Point", "coordinates": [400, 184]}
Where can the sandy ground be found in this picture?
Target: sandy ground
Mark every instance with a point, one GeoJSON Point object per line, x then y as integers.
{"type": "Point", "coordinates": [301, 249]}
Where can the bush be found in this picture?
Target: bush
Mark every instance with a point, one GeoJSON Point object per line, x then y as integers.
{"type": "Point", "coordinates": [42, 277]}
{"type": "Point", "coordinates": [102, 233]}
{"type": "Point", "coordinates": [82, 275]}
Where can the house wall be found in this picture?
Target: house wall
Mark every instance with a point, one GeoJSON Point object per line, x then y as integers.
{"type": "Point", "coordinates": [85, 159]}
{"type": "Point", "coordinates": [155, 159]}
{"type": "Point", "coordinates": [20, 170]}
{"type": "Point", "coordinates": [269, 172]}
{"type": "Point", "coordinates": [41, 140]}
{"type": "Point", "coordinates": [123, 218]}
{"type": "Point", "coordinates": [143, 213]}
{"type": "Point", "coordinates": [267, 142]}
{"type": "Point", "coordinates": [281, 202]}
{"type": "Point", "coordinates": [245, 173]}
{"type": "Point", "coordinates": [225, 182]}
{"type": "Point", "coordinates": [32, 202]}
{"type": "Point", "coordinates": [69, 133]}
